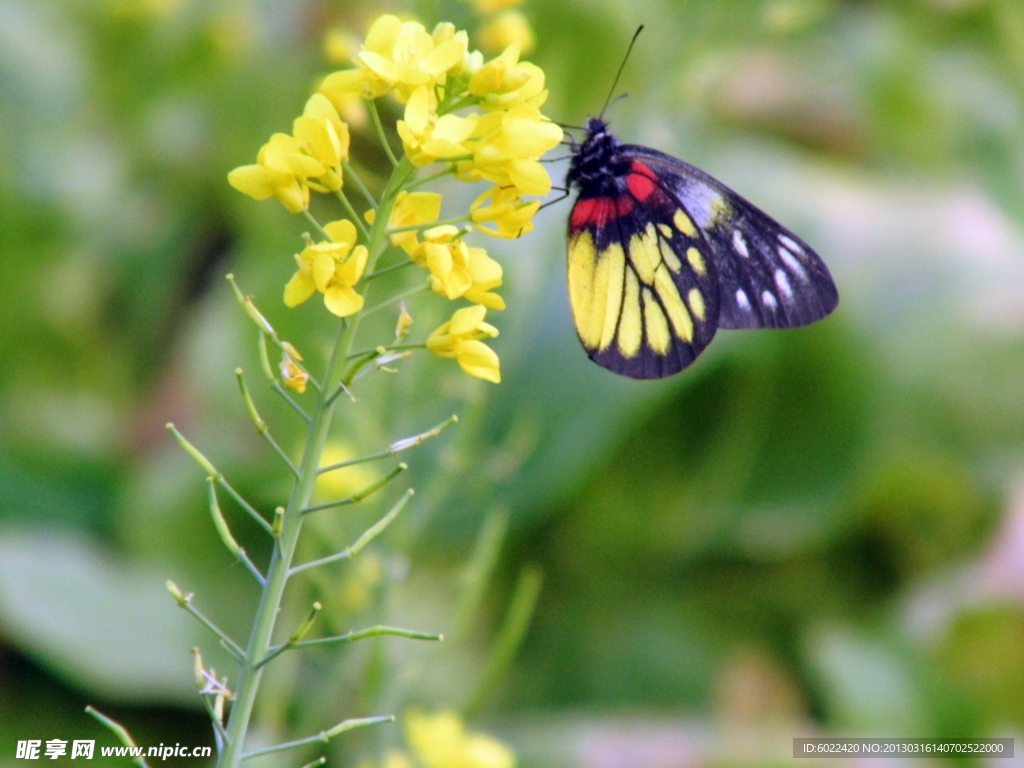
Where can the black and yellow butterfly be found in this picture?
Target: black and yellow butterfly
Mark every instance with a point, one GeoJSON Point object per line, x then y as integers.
{"type": "Point", "coordinates": [661, 256]}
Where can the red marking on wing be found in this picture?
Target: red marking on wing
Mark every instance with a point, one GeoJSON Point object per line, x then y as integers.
{"type": "Point", "coordinates": [641, 181]}
{"type": "Point", "coordinates": [599, 211]}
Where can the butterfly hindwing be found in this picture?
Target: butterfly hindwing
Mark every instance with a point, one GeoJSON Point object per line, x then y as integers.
{"type": "Point", "coordinates": [768, 277]}
{"type": "Point", "coordinates": [642, 284]}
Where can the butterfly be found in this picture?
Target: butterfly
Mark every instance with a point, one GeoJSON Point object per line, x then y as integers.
{"type": "Point", "coordinates": [661, 255]}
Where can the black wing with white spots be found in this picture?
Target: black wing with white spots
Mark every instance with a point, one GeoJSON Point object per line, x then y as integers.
{"type": "Point", "coordinates": [768, 277]}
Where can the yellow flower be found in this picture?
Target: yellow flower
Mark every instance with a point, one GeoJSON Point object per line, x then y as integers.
{"type": "Point", "coordinates": [456, 270]}
{"type": "Point", "coordinates": [403, 56]}
{"type": "Point", "coordinates": [486, 274]}
{"type": "Point", "coordinates": [294, 375]}
{"type": "Point", "coordinates": [447, 258]}
{"type": "Point", "coordinates": [322, 135]}
{"type": "Point", "coordinates": [427, 137]}
{"type": "Point", "coordinates": [460, 338]}
{"type": "Point", "coordinates": [507, 212]}
{"type": "Point", "coordinates": [345, 90]}
{"type": "Point", "coordinates": [441, 741]}
{"type": "Point", "coordinates": [404, 321]}
{"type": "Point", "coordinates": [332, 268]}
{"type": "Point", "coordinates": [411, 209]}
{"type": "Point", "coordinates": [505, 80]}
{"type": "Point", "coordinates": [504, 30]}
{"type": "Point", "coordinates": [282, 170]}
{"type": "Point", "coordinates": [507, 146]}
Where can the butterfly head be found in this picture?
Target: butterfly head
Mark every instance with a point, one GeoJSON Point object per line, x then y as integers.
{"type": "Point", "coordinates": [596, 161]}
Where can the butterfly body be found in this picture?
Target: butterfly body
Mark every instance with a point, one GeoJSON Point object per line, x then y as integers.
{"type": "Point", "coordinates": [661, 255]}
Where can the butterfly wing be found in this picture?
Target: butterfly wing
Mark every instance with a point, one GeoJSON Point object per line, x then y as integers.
{"type": "Point", "coordinates": [768, 277]}
{"type": "Point", "coordinates": [642, 284]}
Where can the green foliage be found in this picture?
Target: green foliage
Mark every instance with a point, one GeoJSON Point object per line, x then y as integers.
{"type": "Point", "coordinates": [786, 511]}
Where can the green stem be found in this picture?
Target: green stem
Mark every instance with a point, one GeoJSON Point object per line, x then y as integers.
{"type": "Point", "coordinates": [380, 132]}
{"type": "Point", "coordinates": [316, 224]}
{"type": "Point", "coordinates": [392, 300]}
{"type": "Point", "coordinates": [120, 731]}
{"type": "Point", "coordinates": [433, 177]}
{"type": "Point", "coordinates": [250, 674]}
{"type": "Point", "coordinates": [324, 736]}
{"type": "Point", "coordinates": [350, 172]}
{"type": "Point", "coordinates": [392, 268]}
{"type": "Point", "coordinates": [351, 637]}
{"type": "Point", "coordinates": [430, 224]}
{"type": "Point", "coordinates": [356, 218]}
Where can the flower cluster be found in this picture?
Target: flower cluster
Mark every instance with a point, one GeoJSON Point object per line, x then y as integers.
{"type": "Point", "coordinates": [434, 75]}
{"type": "Point", "coordinates": [481, 119]}
{"type": "Point", "coordinates": [288, 166]}
{"type": "Point", "coordinates": [456, 270]}
{"type": "Point", "coordinates": [332, 268]}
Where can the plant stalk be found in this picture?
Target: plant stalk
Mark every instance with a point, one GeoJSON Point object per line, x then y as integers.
{"type": "Point", "coordinates": [250, 672]}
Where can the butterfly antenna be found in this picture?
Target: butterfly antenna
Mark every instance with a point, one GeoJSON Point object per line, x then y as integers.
{"type": "Point", "coordinates": [619, 73]}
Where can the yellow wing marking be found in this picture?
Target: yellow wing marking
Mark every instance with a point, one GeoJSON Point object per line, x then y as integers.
{"type": "Point", "coordinates": [582, 266]}
{"type": "Point", "coordinates": [683, 224]}
{"type": "Point", "coordinates": [696, 261]}
{"type": "Point", "coordinates": [682, 324]}
{"type": "Point", "coordinates": [696, 302]}
{"type": "Point", "coordinates": [665, 230]}
{"type": "Point", "coordinates": [613, 262]}
{"type": "Point", "coordinates": [656, 324]}
{"type": "Point", "coordinates": [644, 253]}
{"type": "Point", "coordinates": [630, 326]}
{"type": "Point", "coordinates": [669, 256]}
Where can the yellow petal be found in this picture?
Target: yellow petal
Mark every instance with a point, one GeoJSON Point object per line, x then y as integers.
{"type": "Point", "coordinates": [439, 259]}
{"type": "Point", "coordinates": [319, 139]}
{"type": "Point", "coordinates": [477, 359]}
{"type": "Point", "coordinates": [441, 343]}
{"type": "Point", "coordinates": [484, 269]}
{"type": "Point", "coordinates": [413, 208]}
{"type": "Point", "coordinates": [337, 86]}
{"type": "Point", "coordinates": [251, 180]}
{"type": "Point", "coordinates": [380, 66]}
{"type": "Point", "coordinates": [442, 234]}
{"type": "Point", "coordinates": [444, 57]}
{"type": "Point", "coordinates": [478, 295]}
{"type": "Point", "coordinates": [323, 270]}
{"type": "Point", "coordinates": [383, 34]}
{"type": "Point", "coordinates": [298, 289]}
{"type": "Point", "coordinates": [351, 270]}
{"type": "Point", "coordinates": [530, 177]}
{"type": "Point", "coordinates": [417, 111]}
{"type": "Point", "coordinates": [341, 231]}
{"type": "Point", "coordinates": [488, 78]}
{"type": "Point", "coordinates": [292, 195]}
{"type": "Point", "coordinates": [342, 301]}
{"type": "Point", "coordinates": [444, 30]}
{"type": "Point", "coordinates": [466, 320]}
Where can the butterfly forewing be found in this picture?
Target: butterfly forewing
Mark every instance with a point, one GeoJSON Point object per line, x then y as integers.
{"type": "Point", "coordinates": [642, 285]}
{"type": "Point", "coordinates": [768, 277]}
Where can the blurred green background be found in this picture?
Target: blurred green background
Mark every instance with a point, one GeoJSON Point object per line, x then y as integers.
{"type": "Point", "coordinates": [817, 531]}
